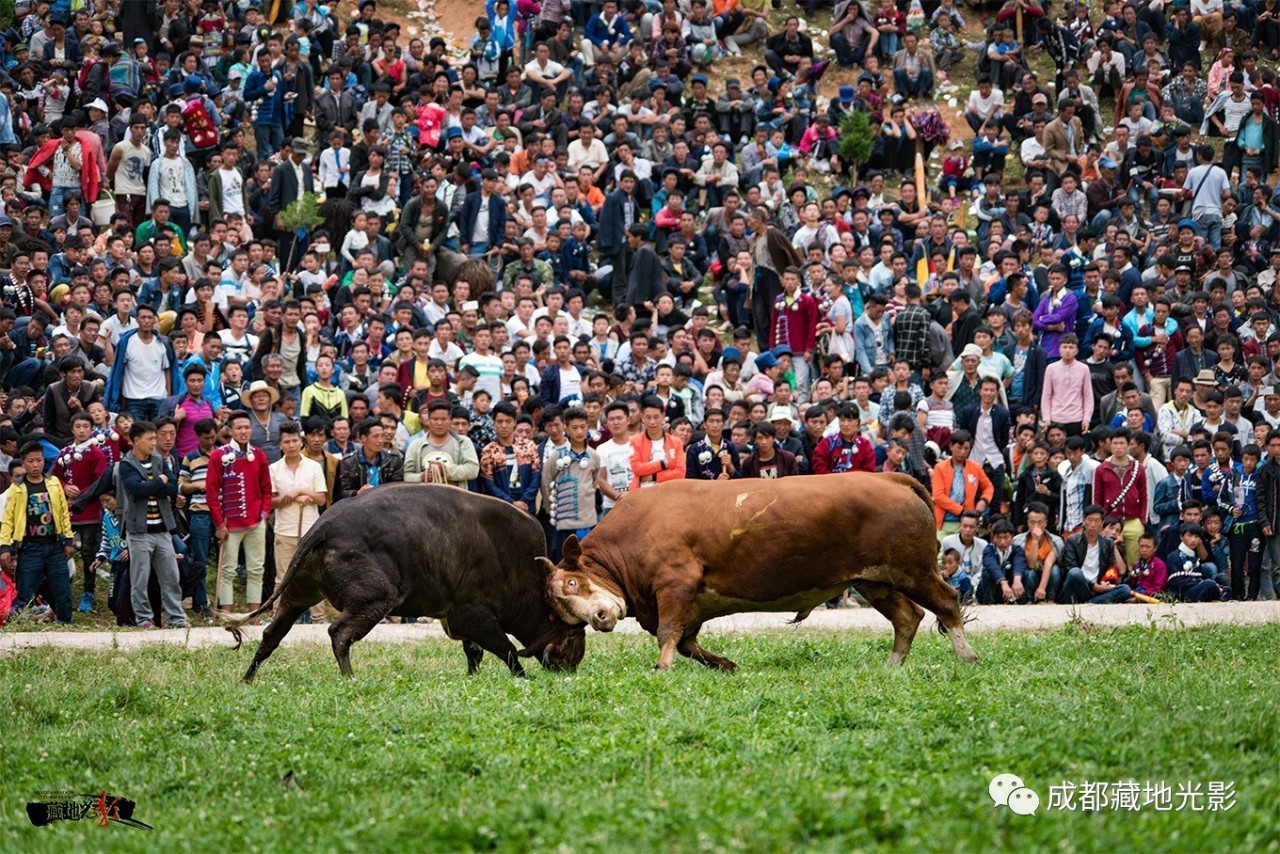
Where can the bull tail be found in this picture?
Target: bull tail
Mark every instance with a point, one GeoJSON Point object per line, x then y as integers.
{"type": "Point", "coordinates": [800, 617]}
{"type": "Point", "coordinates": [233, 623]}
{"type": "Point", "coordinates": [919, 488]}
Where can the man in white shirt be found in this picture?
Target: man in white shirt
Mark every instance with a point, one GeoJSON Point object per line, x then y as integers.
{"type": "Point", "coordinates": [238, 345]}
{"type": "Point", "coordinates": [970, 546]}
{"type": "Point", "coordinates": [298, 490]}
{"type": "Point", "coordinates": [335, 167]}
{"type": "Point", "coordinates": [615, 456]}
{"type": "Point", "coordinates": [1077, 485]}
{"type": "Point", "coordinates": [588, 151]}
{"type": "Point", "coordinates": [485, 362]}
{"type": "Point", "coordinates": [542, 72]}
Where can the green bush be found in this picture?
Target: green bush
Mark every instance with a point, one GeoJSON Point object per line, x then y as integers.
{"type": "Point", "coordinates": [857, 137]}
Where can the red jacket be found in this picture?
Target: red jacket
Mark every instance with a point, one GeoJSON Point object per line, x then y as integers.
{"type": "Point", "coordinates": [795, 325]}
{"type": "Point", "coordinates": [81, 473]}
{"type": "Point", "coordinates": [643, 467]}
{"type": "Point", "coordinates": [1109, 486]}
{"type": "Point", "coordinates": [239, 493]}
{"type": "Point", "coordinates": [90, 173]}
{"type": "Point", "coordinates": [830, 456]}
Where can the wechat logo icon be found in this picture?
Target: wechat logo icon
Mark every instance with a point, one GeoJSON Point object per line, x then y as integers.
{"type": "Point", "coordinates": [1008, 790]}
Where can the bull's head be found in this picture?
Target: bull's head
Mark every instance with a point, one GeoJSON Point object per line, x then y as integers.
{"type": "Point", "coordinates": [578, 592]}
{"type": "Point", "coordinates": [564, 650]}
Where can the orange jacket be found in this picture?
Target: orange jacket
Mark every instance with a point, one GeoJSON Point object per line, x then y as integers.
{"type": "Point", "coordinates": [642, 466]}
{"type": "Point", "coordinates": [976, 486]}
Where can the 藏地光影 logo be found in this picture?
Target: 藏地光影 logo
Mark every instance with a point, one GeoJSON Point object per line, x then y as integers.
{"type": "Point", "coordinates": [102, 808]}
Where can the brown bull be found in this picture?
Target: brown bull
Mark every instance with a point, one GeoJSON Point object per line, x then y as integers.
{"type": "Point", "coordinates": [677, 555]}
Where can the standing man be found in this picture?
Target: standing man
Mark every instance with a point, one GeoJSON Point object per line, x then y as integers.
{"type": "Point", "coordinates": [794, 323]}
{"type": "Point", "coordinates": [35, 535]}
{"type": "Point", "coordinates": [989, 424]}
{"type": "Point", "coordinates": [570, 482]}
{"type": "Point", "coordinates": [656, 456]}
{"type": "Point", "coordinates": [127, 169]}
{"type": "Point", "coordinates": [289, 181]}
{"type": "Point", "coordinates": [191, 485]}
{"type": "Point", "coordinates": [483, 225]}
{"type": "Point", "coordinates": [1055, 314]}
{"type": "Point", "coordinates": [238, 484]}
{"type": "Point", "coordinates": [441, 455]}
{"type": "Point", "coordinates": [615, 456]}
{"type": "Point", "coordinates": [619, 213]}
{"type": "Point", "coordinates": [145, 370]}
{"type": "Point", "coordinates": [1067, 399]}
{"type": "Point", "coordinates": [297, 494]}
{"type": "Point", "coordinates": [148, 488]}
{"type": "Point", "coordinates": [712, 457]}
{"type": "Point", "coordinates": [1207, 182]}
{"type": "Point", "coordinates": [78, 467]}
{"type": "Point", "coordinates": [266, 86]}
{"type": "Point", "coordinates": [1120, 488]}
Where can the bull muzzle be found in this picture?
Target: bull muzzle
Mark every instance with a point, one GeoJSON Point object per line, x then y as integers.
{"type": "Point", "coordinates": [603, 621]}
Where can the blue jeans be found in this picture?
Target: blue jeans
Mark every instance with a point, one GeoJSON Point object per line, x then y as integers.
{"type": "Point", "coordinates": [40, 564]}
{"type": "Point", "coordinates": [1099, 222]}
{"type": "Point", "coordinates": [476, 250]}
{"type": "Point", "coordinates": [142, 408]}
{"type": "Point", "coordinates": [57, 206]}
{"type": "Point", "coordinates": [989, 589]}
{"type": "Point", "coordinates": [558, 538]}
{"type": "Point", "coordinates": [1076, 588]}
{"type": "Point", "coordinates": [922, 86]}
{"type": "Point", "coordinates": [1210, 225]}
{"type": "Point", "coordinates": [269, 139]}
{"type": "Point", "coordinates": [200, 527]}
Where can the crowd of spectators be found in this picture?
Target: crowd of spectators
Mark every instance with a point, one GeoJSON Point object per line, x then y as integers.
{"type": "Point", "coordinates": [605, 246]}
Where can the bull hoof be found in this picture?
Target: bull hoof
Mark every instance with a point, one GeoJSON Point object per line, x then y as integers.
{"type": "Point", "coordinates": [896, 659]}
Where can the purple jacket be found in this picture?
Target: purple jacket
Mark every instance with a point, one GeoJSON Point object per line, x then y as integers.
{"type": "Point", "coordinates": [1046, 316]}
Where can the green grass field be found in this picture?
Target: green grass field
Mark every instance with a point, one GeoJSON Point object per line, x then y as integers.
{"type": "Point", "coordinates": [815, 745]}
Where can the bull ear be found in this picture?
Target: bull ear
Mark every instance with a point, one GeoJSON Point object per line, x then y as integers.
{"type": "Point", "coordinates": [546, 564]}
{"type": "Point", "coordinates": [572, 550]}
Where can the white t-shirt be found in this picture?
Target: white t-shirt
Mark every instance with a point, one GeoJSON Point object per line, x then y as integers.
{"type": "Point", "coordinates": [144, 369]}
{"type": "Point", "coordinates": [232, 191]}
{"type": "Point", "coordinates": [173, 181]}
{"type": "Point", "coordinates": [570, 383]}
{"type": "Point", "coordinates": [616, 460]}
{"type": "Point", "coordinates": [112, 328]}
{"type": "Point", "coordinates": [449, 356]}
{"type": "Point", "coordinates": [131, 175]}
{"type": "Point", "coordinates": [980, 105]}
{"type": "Point", "coordinates": [238, 350]}
{"type": "Point", "coordinates": [490, 369]}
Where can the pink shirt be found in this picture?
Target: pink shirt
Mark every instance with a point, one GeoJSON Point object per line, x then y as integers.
{"type": "Point", "coordinates": [1068, 393]}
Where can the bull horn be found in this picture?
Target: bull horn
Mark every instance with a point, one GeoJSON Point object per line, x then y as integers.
{"type": "Point", "coordinates": [546, 562]}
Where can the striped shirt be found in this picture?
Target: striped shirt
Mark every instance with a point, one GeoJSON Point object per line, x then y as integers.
{"type": "Point", "coordinates": [155, 522]}
{"type": "Point", "coordinates": [195, 466]}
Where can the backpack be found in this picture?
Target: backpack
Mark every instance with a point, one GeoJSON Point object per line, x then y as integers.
{"type": "Point", "coordinates": [83, 77]}
{"type": "Point", "coordinates": [198, 125]}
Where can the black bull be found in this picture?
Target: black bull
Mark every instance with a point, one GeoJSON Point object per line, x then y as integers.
{"type": "Point", "coordinates": [416, 550]}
